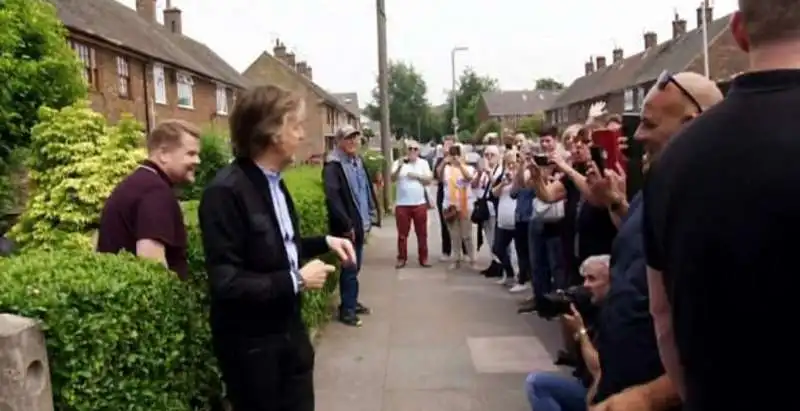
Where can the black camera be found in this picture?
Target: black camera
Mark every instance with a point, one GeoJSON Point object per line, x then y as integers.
{"type": "Point", "coordinates": [557, 303]}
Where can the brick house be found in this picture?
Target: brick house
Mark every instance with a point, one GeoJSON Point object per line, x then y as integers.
{"type": "Point", "coordinates": [622, 84]}
{"type": "Point", "coordinates": [325, 112]}
{"type": "Point", "coordinates": [135, 65]}
{"type": "Point", "coordinates": [509, 108]}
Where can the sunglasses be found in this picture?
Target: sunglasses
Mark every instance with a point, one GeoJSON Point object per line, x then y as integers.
{"type": "Point", "coordinates": [665, 79]}
{"type": "Point", "coordinates": [413, 149]}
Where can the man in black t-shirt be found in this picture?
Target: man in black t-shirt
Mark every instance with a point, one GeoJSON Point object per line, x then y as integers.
{"type": "Point", "coordinates": [721, 218]}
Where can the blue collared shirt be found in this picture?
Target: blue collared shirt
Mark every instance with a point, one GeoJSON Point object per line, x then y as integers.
{"type": "Point", "coordinates": [359, 182]}
{"type": "Point", "coordinates": [285, 221]}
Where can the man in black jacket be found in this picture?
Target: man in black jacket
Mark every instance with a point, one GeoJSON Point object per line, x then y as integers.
{"type": "Point", "coordinates": [253, 257]}
{"type": "Point", "coordinates": [351, 202]}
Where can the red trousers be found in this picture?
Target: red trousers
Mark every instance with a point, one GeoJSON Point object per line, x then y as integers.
{"type": "Point", "coordinates": [404, 216]}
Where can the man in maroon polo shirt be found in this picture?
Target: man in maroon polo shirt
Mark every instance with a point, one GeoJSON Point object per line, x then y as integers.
{"type": "Point", "coordinates": [142, 215]}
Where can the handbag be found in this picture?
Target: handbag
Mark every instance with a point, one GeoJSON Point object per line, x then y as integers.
{"type": "Point", "coordinates": [548, 212]}
{"type": "Point", "coordinates": [480, 208]}
{"type": "Point", "coordinates": [450, 214]}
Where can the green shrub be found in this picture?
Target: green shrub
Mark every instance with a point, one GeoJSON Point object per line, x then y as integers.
{"type": "Point", "coordinates": [76, 161]}
{"type": "Point", "coordinates": [373, 162]}
{"type": "Point", "coordinates": [37, 68]}
{"type": "Point", "coordinates": [215, 153]}
{"type": "Point", "coordinates": [122, 333]}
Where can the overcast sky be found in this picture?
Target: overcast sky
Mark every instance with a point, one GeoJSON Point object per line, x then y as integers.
{"type": "Point", "coordinates": [514, 41]}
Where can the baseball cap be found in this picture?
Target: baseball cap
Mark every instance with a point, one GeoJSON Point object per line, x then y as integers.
{"type": "Point", "coordinates": [346, 131]}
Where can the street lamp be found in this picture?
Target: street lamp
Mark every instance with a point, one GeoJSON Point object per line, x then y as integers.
{"type": "Point", "coordinates": [454, 120]}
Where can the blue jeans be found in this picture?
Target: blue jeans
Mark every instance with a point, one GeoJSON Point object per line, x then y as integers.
{"type": "Point", "coordinates": [546, 257]}
{"type": "Point", "coordinates": [348, 282]}
{"type": "Point", "coordinates": [555, 392]}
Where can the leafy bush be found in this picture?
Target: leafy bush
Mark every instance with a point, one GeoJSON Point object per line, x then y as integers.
{"type": "Point", "coordinates": [37, 68]}
{"type": "Point", "coordinates": [76, 161]}
{"type": "Point", "coordinates": [215, 153]}
{"type": "Point", "coordinates": [121, 332]}
{"type": "Point", "coordinates": [373, 161]}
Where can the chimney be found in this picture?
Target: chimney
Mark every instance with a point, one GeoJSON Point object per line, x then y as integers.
{"type": "Point", "coordinates": [309, 73]}
{"type": "Point", "coordinates": [601, 62]}
{"type": "Point", "coordinates": [172, 18]}
{"type": "Point", "coordinates": [279, 51]}
{"type": "Point", "coordinates": [589, 67]}
{"type": "Point", "coordinates": [650, 39]}
{"type": "Point", "coordinates": [709, 14]}
{"type": "Point", "coordinates": [290, 60]}
{"type": "Point", "coordinates": [678, 26]}
{"type": "Point", "coordinates": [302, 68]}
{"type": "Point", "coordinates": [617, 55]}
{"type": "Point", "coordinates": [146, 10]}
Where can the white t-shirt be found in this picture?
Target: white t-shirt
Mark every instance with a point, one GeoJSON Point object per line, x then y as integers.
{"type": "Point", "coordinates": [506, 209]}
{"type": "Point", "coordinates": [410, 191]}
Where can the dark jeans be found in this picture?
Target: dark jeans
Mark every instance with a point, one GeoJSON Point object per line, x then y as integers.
{"type": "Point", "coordinates": [348, 282]}
{"type": "Point", "coordinates": [445, 233]}
{"type": "Point", "coordinates": [547, 261]}
{"type": "Point", "coordinates": [503, 239]}
{"type": "Point", "coordinates": [270, 373]}
{"type": "Point", "coordinates": [555, 392]}
{"type": "Point", "coordinates": [522, 245]}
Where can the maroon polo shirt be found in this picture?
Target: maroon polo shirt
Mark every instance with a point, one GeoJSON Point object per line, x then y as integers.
{"type": "Point", "coordinates": [144, 206]}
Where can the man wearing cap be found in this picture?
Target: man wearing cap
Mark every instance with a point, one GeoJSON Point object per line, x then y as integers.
{"type": "Point", "coordinates": [350, 200]}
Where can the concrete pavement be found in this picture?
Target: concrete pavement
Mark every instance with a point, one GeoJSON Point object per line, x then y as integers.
{"type": "Point", "coordinates": [436, 341]}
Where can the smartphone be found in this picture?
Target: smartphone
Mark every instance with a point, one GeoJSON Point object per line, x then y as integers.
{"type": "Point", "coordinates": [634, 152]}
{"type": "Point", "coordinates": [608, 140]}
{"type": "Point", "coordinates": [405, 160]}
{"type": "Point", "coordinates": [541, 161]}
{"type": "Point", "coordinates": [455, 151]}
{"type": "Point", "coordinates": [599, 158]}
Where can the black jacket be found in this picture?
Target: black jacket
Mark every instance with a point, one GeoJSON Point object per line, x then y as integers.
{"type": "Point", "coordinates": [252, 292]}
{"type": "Point", "coordinates": [343, 214]}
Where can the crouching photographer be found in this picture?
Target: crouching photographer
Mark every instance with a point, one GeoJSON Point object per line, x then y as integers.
{"type": "Point", "coordinates": [548, 391]}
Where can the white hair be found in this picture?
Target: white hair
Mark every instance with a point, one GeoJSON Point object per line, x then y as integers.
{"type": "Point", "coordinates": [603, 260]}
{"type": "Point", "coordinates": [490, 136]}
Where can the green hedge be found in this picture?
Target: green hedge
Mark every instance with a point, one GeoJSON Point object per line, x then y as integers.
{"type": "Point", "coordinates": [126, 334]}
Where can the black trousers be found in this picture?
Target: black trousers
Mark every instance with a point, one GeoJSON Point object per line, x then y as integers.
{"type": "Point", "coordinates": [272, 373]}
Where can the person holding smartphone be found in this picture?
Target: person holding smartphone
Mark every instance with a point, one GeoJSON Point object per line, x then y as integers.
{"type": "Point", "coordinates": [411, 174]}
{"type": "Point", "coordinates": [457, 177]}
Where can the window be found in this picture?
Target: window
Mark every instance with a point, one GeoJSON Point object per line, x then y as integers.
{"type": "Point", "coordinates": [629, 100]}
{"type": "Point", "coordinates": [160, 82]}
{"type": "Point", "coordinates": [185, 85]}
{"type": "Point", "coordinates": [640, 98]}
{"type": "Point", "coordinates": [87, 56]}
{"type": "Point", "coordinates": [123, 77]}
{"type": "Point", "coordinates": [222, 100]}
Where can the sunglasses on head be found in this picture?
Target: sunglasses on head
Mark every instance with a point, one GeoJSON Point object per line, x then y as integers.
{"type": "Point", "coordinates": [665, 79]}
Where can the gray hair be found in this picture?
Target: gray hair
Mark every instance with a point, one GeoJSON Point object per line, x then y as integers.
{"type": "Point", "coordinates": [603, 260]}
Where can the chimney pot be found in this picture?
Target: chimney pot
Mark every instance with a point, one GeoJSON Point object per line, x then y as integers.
{"type": "Point", "coordinates": [589, 67]}
{"type": "Point", "coordinates": [172, 19]}
{"type": "Point", "coordinates": [290, 60]}
{"type": "Point", "coordinates": [601, 62]}
{"type": "Point", "coordinates": [309, 73]}
{"type": "Point", "coordinates": [678, 27]}
{"type": "Point", "coordinates": [617, 55]}
{"type": "Point", "coordinates": [709, 14]}
{"type": "Point", "coordinates": [650, 39]}
{"type": "Point", "coordinates": [147, 10]}
{"type": "Point", "coordinates": [279, 50]}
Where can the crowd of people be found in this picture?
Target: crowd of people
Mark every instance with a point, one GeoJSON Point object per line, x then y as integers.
{"type": "Point", "coordinates": [660, 292]}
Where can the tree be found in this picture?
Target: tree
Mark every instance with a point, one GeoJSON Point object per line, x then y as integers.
{"type": "Point", "coordinates": [408, 106]}
{"type": "Point", "coordinates": [368, 133]}
{"type": "Point", "coordinates": [548, 83]}
{"type": "Point", "coordinates": [37, 68]}
{"type": "Point", "coordinates": [531, 126]}
{"type": "Point", "coordinates": [471, 87]}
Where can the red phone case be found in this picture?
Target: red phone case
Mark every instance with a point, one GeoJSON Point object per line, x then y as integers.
{"type": "Point", "coordinates": [608, 140]}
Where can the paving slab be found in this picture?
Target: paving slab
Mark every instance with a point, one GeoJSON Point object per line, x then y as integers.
{"type": "Point", "coordinates": [436, 340]}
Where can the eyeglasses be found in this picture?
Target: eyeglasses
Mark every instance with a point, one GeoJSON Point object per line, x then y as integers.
{"type": "Point", "coordinates": [666, 79]}
{"type": "Point", "coordinates": [413, 149]}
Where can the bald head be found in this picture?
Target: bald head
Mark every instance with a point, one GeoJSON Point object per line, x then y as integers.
{"type": "Point", "coordinates": [702, 89]}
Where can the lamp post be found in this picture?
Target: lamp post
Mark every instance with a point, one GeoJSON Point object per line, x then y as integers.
{"type": "Point", "coordinates": [383, 74]}
{"type": "Point", "coordinates": [454, 120]}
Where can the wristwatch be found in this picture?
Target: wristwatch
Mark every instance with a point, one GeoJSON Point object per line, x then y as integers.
{"type": "Point", "coordinates": [581, 333]}
{"type": "Point", "coordinates": [301, 283]}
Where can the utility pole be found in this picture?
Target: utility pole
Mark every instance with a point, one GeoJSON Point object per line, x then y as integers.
{"type": "Point", "coordinates": [383, 80]}
{"type": "Point", "coordinates": [704, 5]}
{"type": "Point", "coordinates": [454, 120]}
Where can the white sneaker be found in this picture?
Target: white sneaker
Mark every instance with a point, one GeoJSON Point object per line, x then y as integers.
{"type": "Point", "coordinates": [518, 288]}
{"type": "Point", "coordinates": [445, 259]}
{"type": "Point", "coordinates": [502, 280]}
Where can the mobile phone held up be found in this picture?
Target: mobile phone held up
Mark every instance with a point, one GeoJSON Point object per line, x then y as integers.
{"type": "Point", "coordinates": [599, 158]}
{"type": "Point", "coordinates": [455, 151]}
{"type": "Point", "coordinates": [608, 141]}
{"type": "Point", "coordinates": [541, 160]}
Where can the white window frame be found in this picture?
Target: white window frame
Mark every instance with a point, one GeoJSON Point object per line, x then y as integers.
{"type": "Point", "coordinates": [185, 86]}
{"type": "Point", "coordinates": [629, 99]}
{"type": "Point", "coordinates": [640, 100]}
{"type": "Point", "coordinates": [123, 77]}
{"type": "Point", "coordinates": [222, 99]}
{"type": "Point", "coordinates": [159, 84]}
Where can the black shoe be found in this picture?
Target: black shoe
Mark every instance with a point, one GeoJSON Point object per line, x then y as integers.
{"type": "Point", "coordinates": [495, 270]}
{"type": "Point", "coordinates": [565, 359]}
{"type": "Point", "coordinates": [362, 309]}
{"type": "Point", "coordinates": [350, 319]}
{"type": "Point", "coordinates": [527, 306]}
